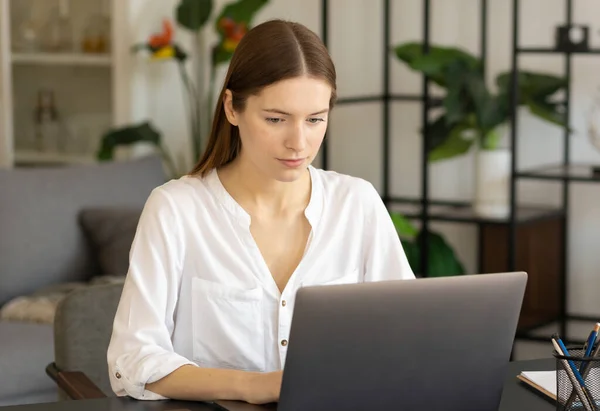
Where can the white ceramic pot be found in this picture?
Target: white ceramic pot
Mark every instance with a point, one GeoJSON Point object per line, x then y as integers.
{"type": "Point", "coordinates": [492, 183]}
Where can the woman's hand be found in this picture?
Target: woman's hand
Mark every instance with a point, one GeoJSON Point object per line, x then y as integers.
{"type": "Point", "coordinates": [264, 388]}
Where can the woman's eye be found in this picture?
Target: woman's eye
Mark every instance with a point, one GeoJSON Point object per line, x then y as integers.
{"type": "Point", "coordinates": [273, 120]}
{"type": "Point", "coordinates": [315, 120]}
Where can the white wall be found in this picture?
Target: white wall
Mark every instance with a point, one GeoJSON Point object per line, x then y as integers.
{"type": "Point", "coordinates": [355, 131]}
{"type": "Point", "coordinates": [157, 92]}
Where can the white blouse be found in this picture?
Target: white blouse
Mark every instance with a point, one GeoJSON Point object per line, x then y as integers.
{"type": "Point", "coordinates": [199, 292]}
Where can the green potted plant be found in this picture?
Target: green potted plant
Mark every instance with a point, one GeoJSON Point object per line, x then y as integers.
{"type": "Point", "coordinates": [441, 258]}
{"type": "Point", "coordinates": [474, 116]}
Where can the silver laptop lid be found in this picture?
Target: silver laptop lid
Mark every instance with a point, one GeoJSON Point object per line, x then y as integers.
{"type": "Point", "coordinates": [433, 343]}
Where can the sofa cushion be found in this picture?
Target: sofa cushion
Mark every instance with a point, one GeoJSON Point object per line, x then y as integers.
{"type": "Point", "coordinates": [32, 308]}
{"type": "Point", "coordinates": [40, 307]}
{"type": "Point", "coordinates": [41, 242]}
{"type": "Point", "coordinates": [110, 232]}
{"type": "Point", "coordinates": [26, 350]}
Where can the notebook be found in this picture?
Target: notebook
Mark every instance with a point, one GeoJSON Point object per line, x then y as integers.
{"type": "Point", "coordinates": [543, 381]}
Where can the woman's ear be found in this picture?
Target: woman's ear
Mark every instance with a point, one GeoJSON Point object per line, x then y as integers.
{"type": "Point", "coordinates": [228, 106]}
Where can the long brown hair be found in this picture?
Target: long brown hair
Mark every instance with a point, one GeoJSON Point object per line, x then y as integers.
{"type": "Point", "coordinates": [270, 52]}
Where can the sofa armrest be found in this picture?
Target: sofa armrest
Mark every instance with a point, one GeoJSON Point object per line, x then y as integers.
{"type": "Point", "coordinates": [74, 383]}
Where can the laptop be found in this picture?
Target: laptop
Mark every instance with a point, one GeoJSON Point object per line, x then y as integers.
{"type": "Point", "coordinates": [430, 343]}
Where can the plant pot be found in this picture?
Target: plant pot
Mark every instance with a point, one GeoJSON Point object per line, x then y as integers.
{"type": "Point", "coordinates": [492, 183]}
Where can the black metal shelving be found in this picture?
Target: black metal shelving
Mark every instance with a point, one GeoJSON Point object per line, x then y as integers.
{"type": "Point", "coordinates": [582, 173]}
{"type": "Point", "coordinates": [543, 50]}
{"type": "Point", "coordinates": [564, 173]}
{"type": "Point", "coordinates": [426, 209]}
{"type": "Point", "coordinates": [427, 102]}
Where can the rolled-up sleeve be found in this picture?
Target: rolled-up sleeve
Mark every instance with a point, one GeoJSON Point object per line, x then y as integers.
{"type": "Point", "coordinates": [384, 257]}
{"type": "Point", "coordinates": [140, 349]}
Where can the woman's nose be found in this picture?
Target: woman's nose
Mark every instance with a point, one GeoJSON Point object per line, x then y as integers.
{"type": "Point", "coordinates": [297, 139]}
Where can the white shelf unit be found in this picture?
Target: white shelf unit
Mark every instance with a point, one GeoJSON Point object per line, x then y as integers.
{"type": "Point", "coordinates": [91, 90]}
{"type": "Point", "coordinates": [68, 59]}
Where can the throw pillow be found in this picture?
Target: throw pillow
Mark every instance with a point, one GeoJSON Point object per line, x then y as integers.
{"type": "Point", "coordinates": [110, 232]}
{"type": "Point", "coordinates": [40, 306]}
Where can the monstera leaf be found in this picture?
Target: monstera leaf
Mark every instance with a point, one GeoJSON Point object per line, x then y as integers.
{"type": "Point", "coordinates": [536, 91]}
{"type": "Point", "coordinates": [469, 108]}
{"type": "Point", "coordinates": [126, 136]}
{"type": "Point", "coordinates": [193, 14]}
{"type": "Point", "coordinates": [455, 143]}
{"type": "Point", "coordinates": [436, 61]}
{"type": "Point", "coordinates": [441, 259]}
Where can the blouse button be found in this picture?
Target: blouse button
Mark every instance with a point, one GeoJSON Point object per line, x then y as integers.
{"type": "Point", "coordinates": [118, 375]}
{"type": "Point", "coordinates": [283, 303]}
{"type": "Point", "coordinates": [284, 342]}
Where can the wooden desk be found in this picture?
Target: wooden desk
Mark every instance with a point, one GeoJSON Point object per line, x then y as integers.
{"type": "Point", "coordinates": [515, 397]}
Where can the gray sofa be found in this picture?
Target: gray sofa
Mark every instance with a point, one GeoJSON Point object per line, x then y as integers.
{"type": "Point", "coordinates": [54, 238]}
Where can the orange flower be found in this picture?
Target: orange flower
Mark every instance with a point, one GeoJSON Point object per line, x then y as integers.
{"type": "Point", "coordinates": [164, 38]}
{"type": "Point", "coordinates": [232, 32]}
{"type": "Point", "coordinates": [161, 45]}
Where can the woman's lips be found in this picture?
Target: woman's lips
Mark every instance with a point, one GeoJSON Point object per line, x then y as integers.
{"type": "Point", "coordinates": [292, 163]}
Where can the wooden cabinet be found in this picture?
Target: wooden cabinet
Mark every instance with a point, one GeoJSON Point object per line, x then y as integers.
{"type": "Point", "coordinates": [539, 252]}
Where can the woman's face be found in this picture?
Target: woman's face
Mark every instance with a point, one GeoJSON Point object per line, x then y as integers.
{"type": "Point", "coordinates": [282, 127]}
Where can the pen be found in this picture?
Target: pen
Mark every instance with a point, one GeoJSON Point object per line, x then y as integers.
{"type": "Point", "coordinates": [588, 365]}
{"type": "Point", "coordinates": [571, 373]}
{"type": "Point", "coordinates": [589, 344]}
{"type": "Point", "coordinates": [585, 369]}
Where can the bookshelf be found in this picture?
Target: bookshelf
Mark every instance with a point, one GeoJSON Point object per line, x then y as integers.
{"type": "Point", "coordinates": [85, 83]}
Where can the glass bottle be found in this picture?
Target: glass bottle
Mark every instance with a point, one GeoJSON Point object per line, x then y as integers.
{"type": "Point", "coordinates": [96, 36]}
{"type": "Point", "coordinates": [46, 122]}
{"type": "Point", "coordinates": [59, 33]}
{"type": "Point", "coordinates": [27, 34]}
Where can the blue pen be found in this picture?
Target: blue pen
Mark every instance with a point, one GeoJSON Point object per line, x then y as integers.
{"type": "Point", "coordinates": [573, 374]}
{"type": "Point", "coordinates": [571, 363]}
{"type": "Point", "coordinates": [585, 367]}
{"type": "Point", "coordinates": [589, 345]}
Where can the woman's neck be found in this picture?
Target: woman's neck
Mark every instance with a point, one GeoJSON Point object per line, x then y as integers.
{"type": "Point", "coordinates": [261, 195]}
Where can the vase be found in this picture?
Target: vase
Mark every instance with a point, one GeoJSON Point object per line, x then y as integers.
{"type": "Point", "coordinates": [492, 183]}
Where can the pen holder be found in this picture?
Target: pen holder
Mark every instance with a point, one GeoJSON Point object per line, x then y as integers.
{"type": "Point", "coordinates": [568, 396]}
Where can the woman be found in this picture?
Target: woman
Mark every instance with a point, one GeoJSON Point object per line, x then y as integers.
{"type": "Point", "coordinates": [220, 253]}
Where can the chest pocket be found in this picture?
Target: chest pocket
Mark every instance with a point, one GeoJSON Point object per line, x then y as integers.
{"type": "Point", "coordinates": [228, 326]}
{"type": "Point", "coordinates": [351, 277]}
